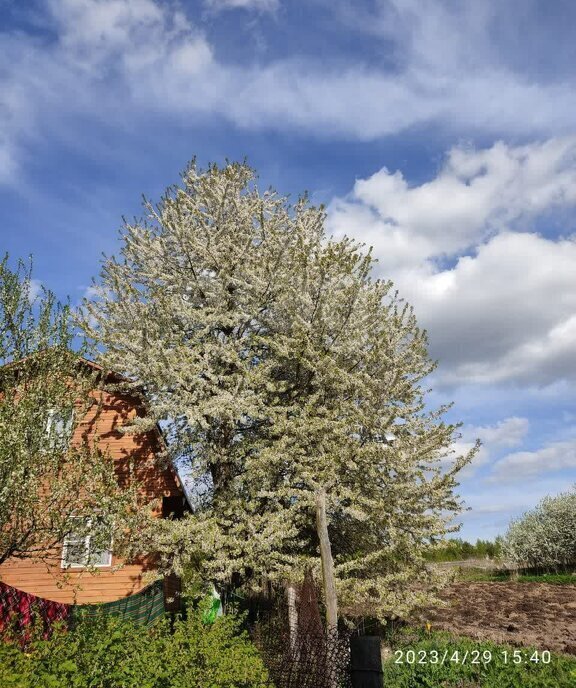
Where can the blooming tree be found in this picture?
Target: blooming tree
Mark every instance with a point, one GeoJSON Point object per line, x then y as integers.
{"type": "Point", "coordinates": [286, 377]}
{"type": "Point", "coordinates": [545, 536]}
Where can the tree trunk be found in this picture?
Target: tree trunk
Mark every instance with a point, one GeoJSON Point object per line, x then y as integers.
{"type": "Point", "coordinates": [327, 563]}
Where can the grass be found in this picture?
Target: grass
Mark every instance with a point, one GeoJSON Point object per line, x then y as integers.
{"type": "Point", "coordinates": [480, 575]}
{"type": "Point", "coordinates": [441, 660]}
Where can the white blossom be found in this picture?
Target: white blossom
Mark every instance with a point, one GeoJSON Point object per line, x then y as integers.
{"type": "Point", "coordinates": [280, 367]}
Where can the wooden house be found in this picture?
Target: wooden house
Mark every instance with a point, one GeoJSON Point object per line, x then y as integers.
{"type": "Point", "coordinates": [63, 577]}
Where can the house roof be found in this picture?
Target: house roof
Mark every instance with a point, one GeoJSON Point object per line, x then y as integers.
{"type": "Point", "coordinates": [114, 377]}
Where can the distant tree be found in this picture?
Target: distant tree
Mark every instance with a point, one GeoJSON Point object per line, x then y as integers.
{"type": "Point", "coordinates": [497, 547]}
{"type": "Point", "coordinates": [454, 549]}
{"type": "Point", "coordinates": [544, 537]}
{"type": "Point", "coordinates": [487, 548]}
{"type": "Point", "coordinates": [290, 382]}
{"type": "Point", "coordinates": [49, 488]}
{"type": "Point", "coordinates": [480, 548]}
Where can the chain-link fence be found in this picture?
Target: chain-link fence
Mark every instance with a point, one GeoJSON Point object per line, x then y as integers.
{"type": "Point", "coordinates": [298, 652]}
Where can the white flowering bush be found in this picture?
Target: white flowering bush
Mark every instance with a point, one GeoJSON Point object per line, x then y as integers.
{"type": "Point", "coordinates": [546, 536]}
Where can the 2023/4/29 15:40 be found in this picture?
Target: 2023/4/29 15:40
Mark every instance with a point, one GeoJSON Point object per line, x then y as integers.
{"type": "Point", "coordinates": [518, 656]}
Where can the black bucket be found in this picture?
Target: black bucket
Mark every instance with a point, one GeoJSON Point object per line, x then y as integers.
{"type": "Point", "coordinates": [366, 661]}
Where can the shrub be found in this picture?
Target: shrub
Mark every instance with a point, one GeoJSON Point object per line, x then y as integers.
{"type": "Point", "coordinates": [106, 652]}
{"type": "Point", "coordinates": [545, 537]}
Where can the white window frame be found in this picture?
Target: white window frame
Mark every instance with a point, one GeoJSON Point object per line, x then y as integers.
{"type": "Point", "coordinates": [75, 565]}
{"type": "Point", "coordinates": [65, 434]}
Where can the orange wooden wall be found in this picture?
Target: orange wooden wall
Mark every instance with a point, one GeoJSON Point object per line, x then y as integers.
{"type": "Point", "coordinates": [49, 580]}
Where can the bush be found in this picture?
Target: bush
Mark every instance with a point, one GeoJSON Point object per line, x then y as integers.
{"type": "Point", "coordinates": [546, 536]}
{"type": "Point", "coordinates": [106, 652]}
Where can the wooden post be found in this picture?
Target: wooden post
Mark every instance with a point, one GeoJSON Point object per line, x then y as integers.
{"type": "Point", "coordinates": [327, 563]}
{"type": "Point", "coordinates": [292, 615]}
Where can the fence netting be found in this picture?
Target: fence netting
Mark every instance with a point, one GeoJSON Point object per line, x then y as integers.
{"type": "Point", "coordinates": [296, 648]}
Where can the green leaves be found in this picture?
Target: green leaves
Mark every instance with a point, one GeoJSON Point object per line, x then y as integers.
{"type": "Point", "coordinates": [68, 667]}
{"type": "Point", "coordinates": [107, 652]}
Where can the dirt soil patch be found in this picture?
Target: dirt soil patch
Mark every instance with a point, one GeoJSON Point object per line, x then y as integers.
{"type": "Point", "coordinates": [536, 614]}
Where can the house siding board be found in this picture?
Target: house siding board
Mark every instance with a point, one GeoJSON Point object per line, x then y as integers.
{"type": "Point", "coordinates": [102, 423]}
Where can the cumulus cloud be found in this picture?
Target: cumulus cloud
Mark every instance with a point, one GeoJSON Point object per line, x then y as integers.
{"type": "Point", "coordinates": [509, 432]}
{"type": "Point", "coordinates": [505, 307]}
{"type": "Point", "coordinates": [259, 5]}
{"type": "Point", "coordinates": [529, 464]}
{"type": "Point", "coordinates": [506, 313]}
{"type": "Point", "coordinates": [140, 56]}
{"type": "Point", "coordinates": [476, 194]}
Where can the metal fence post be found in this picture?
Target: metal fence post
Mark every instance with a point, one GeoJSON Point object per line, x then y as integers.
{"type": "Point", "coordinates": [366, 662]}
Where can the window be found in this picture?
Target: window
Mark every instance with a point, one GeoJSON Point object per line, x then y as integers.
{"type": "Point", "coordinates": [79, 552]}
{"type": "Point", "coordinates": [173, 507]}
{"type": "Point", "coordinates": [59, 427]}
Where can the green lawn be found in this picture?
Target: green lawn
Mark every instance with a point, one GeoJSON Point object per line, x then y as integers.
{"type": "Point", "coordinates": [441, 660]}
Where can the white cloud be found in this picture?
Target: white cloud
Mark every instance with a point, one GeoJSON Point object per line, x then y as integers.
{"type": "Point", "coordinates": [8, 165]}
{"type": "Point", "coordinates": [519, 466]}
{"type": "Point", "coordinates": [460, 448]}
{"type": "Point", "coordinates": [92, 292]}
{"type": "Point", "coordinates": [111, 61]}
{"type": "Point", "coordinates": [135, 40]}
{"type": "Point", "coordinates": [509, 432]}
{"type": "Point", "coordinates": [125, 58]}
{"type": "Point", "coordinates": [475, 194]}
{"type": "Point", "coordinates": [507, 313]}
{"type": "Point", "coordinates": [259, 5]}
{"type": "Point", "coordinates": [506, 310]}
{"type": "Point", "coordinates": [503, 501]}
{"type": "Point", "coordinates": [34, 289]}
{"type": "Point", "coordinates": [107, 26]}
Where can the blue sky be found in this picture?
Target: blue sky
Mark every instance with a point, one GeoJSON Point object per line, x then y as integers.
{"type": "Point", "coordinates": [442, 133]}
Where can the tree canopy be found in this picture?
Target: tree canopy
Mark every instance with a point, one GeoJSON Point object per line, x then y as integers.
{"type": "Point", "coordinates": [544, 537]}
{"type": "Point", "coordinates": [279, 367]}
